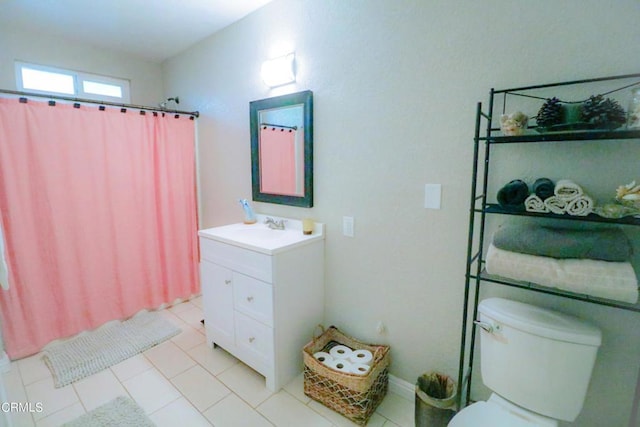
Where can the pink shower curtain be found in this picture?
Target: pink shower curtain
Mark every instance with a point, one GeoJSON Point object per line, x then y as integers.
{"type": "Point", "coordinates": [99, 214]}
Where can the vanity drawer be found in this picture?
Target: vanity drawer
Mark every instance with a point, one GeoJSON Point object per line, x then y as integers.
{"type": "Point", "coordinates": [254, 339]}
{"type": "Point", "coordinates": [253, 298]}
{"type": "Point", "coordinates": [246, 261]}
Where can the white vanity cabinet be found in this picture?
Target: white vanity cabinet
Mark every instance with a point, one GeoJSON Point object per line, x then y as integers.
{"type": "Point", "coordinates": [261, 303]}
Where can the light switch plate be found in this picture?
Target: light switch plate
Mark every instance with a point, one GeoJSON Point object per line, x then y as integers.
{"type": "Point", "coordinates": [432, 196]}
{"type": "Point", "coordinates": [347, 226]}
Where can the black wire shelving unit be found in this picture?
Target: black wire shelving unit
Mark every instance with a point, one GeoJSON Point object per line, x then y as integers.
{"type": "Point", "coordinates": [488, 137]}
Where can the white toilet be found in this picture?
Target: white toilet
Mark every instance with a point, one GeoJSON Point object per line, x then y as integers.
{"type": "Point", "coordinates": [537, 362]}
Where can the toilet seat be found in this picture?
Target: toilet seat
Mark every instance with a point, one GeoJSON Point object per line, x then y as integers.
{"type": "Point", "coordinates": [497, 412]}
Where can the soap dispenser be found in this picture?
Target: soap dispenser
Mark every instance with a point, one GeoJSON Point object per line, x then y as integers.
{"type": "Point", "coordinates": [249, 215]}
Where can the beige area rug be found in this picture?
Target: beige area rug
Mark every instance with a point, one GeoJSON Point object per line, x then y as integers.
{"type": "Point", "coordinates": [120, 412]}
{"type": "Point", "coordinates": [91, 352]}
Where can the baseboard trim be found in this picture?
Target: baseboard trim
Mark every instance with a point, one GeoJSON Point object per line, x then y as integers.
{"type": "Point", "coordinates": [402, 388]}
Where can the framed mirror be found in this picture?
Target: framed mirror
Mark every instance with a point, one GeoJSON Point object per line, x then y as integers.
{"type": "Point", "coordinates": [282, 149]}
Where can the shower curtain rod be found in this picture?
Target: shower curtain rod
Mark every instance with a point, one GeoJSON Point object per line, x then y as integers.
{"type": "Point", "coordinates": [92, 101]}
{"type": "Point", "coordinates": [279, 126]}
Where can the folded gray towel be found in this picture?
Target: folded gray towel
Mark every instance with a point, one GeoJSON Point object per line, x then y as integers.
{"type": "Point", "coordinates": [608, 244]}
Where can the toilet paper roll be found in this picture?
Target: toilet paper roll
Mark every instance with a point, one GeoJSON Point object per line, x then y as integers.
{"type": "Point", "coordinates": [361, 356]}
{"type": "Point", "coordinates": [341, 365]}
{"type": "Point", "coordinates": [323, 357]}
{"type": "Point", "coordinates": [360, 368]}
{"type": "Point", "coordinates": [340, 352]}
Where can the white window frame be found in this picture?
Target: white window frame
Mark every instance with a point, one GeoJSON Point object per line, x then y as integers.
{"type": "Point", "coordinates": [78, 79]}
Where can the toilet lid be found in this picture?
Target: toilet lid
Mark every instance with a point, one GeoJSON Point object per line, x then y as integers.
{"type": "Point", "coordinates": [483, 414]}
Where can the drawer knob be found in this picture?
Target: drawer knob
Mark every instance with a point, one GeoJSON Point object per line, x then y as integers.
{"type": "Point", "coordinates": [249, 299]}
{"type": "Point", "coordinates": [227, 281]}
{"type": "Point", "coordinates": [252, 339]}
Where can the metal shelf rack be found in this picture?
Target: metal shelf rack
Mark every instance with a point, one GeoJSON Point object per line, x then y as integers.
{"type": "Point", "coordinates": [486, 138]}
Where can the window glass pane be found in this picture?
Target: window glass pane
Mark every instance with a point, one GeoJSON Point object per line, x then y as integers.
{"type": "Point", "coordinates": [47, 81]}
{"type": "Point", "coordinates": [104, 89]}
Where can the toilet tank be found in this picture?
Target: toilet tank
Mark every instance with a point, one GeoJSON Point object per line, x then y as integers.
{"type": "Point", "coordinates": [537, 358]}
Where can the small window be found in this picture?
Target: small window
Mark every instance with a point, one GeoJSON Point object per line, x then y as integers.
{"type": "Point", "coordinates": [105, 89]}
{"type": "Point", "coordinates": [46, 80]}
{"type": "Point", "coordinates": [49, 80]}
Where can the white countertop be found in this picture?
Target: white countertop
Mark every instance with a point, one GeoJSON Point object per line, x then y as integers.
{"type": "Point", "coordinates": [260, 238]}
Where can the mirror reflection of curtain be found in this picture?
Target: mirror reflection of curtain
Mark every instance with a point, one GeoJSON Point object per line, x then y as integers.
{"type": "Point", "coordinates": [99, 215]}
{"type": "Point", "coordinates": [278, 160]}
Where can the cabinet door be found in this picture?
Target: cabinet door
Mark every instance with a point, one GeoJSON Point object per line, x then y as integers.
{"type": "Point", "coordinates": [217, 300]}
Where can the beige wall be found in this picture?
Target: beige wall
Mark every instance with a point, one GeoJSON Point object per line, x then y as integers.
{"type": "Point", "coordinates": [29, 46]}
{"type": "Point", "coordinates": [395, 89]}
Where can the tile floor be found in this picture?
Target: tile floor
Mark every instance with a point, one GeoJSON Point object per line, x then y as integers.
{"type": "Point", "coordinates": [183, 382]}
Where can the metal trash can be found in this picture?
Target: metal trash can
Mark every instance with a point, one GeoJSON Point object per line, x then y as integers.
{"type": "Point", "coordinates": [435, 400]}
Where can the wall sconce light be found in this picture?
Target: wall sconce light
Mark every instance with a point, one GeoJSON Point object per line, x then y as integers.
{"type": "Point", "coordinates": [279, 71]}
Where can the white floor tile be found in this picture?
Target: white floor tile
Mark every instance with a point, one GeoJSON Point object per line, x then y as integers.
{"type": "Point", "coordinates": [172, 318]}
{"type": "Point", "coordinates": [335, 418]}
{"type": "Point", "coordinates": [33, 369]}
{"type": "Point", "coordinates": [179, 308]}
{"type": "Point", "coordinates": [21, 419]}
{"type": "Point", "coordinates": [282, 409]}
{"type": "Point", "coordinates": [233, 412]}
{"type": "Point", "coordinates": [397, 409]}
{"type": "Point", "coordinates": [296, 389]}
{"type": "Point", "coordinates": [200, 387]}
{"type": "Point", "coordinates": [389, 424]}
{"type": "Point", "coordinates": [188, 338]}
{"type": "Point", "coordinates": [63, 416]}
{"type": "Point", "coordinates": [197, 301]}
{"type": "Point", "coordinates": [52, 399]}
{"type": "Point", "coordinates": [131, 367]}
{"type": "Point", "coordinates": [246, 383]}
{"type": "Point", "coordinates": [12, 381]}
{"type": "Point", "coordinates": [151, 390]}
{"type": "Point", "coordinates": [339, 420]}
{"type": "Point", "coordinates": [99, 389]}
{"type": "Point", "coordinates": [169, 359]}
{"type": "Point", "coordinates": [179, 413]}
{"type": "Point", "coordinates": [215, 360]}
{"type": "Point", "coordinates": [192, 317]}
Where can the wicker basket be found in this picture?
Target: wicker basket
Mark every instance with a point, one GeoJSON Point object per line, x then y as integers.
{"type": "Point", "coordinates": [354, 396]}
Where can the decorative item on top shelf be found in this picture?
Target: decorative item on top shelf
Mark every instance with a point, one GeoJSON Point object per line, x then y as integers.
{"type": "Point", "coordinates": [604, 113]}
{"type": "Point", "coordinates": [595, 113]}
{"type": "Point", "coordinates": [514, 124]}
{"type": "Point", "coordinates": [634, 109]}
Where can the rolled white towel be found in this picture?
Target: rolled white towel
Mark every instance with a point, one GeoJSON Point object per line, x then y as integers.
{"type": "Point", "coordinates": [567, 190]}
{"type": "Point", "coordinates": [534, 203]}
{"type": "Point", "coordinates": [580, 206]}
{"type": "Point", "coordinates": [556, 205]}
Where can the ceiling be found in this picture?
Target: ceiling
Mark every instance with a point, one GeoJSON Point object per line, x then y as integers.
{"type": "Point", "coordinates": [151, 29]}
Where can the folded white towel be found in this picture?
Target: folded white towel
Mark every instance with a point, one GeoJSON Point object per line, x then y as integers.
{"type": "Point", "coordinates": [556, 205]}
{"type": "Point", "coordinates": [534, 203]}
{"type": "Point", "coordinates": [611, 280]}
{"type": "Point", "coordinates": [580, 206]}
{"type": "Point", "coordinates": [567, 190]}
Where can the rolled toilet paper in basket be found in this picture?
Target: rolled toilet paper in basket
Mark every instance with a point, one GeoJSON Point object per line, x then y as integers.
{"type": "Point", "coordinates": [361, 356]}
{"type": "Point", "coordinates": [341, 365]}
{"type": "Point", "coordinates": [340, 352]}
{"type": "Point", "coordinates": [323, 357]}
{"type": "Point", "coordinates": [360, 368]}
